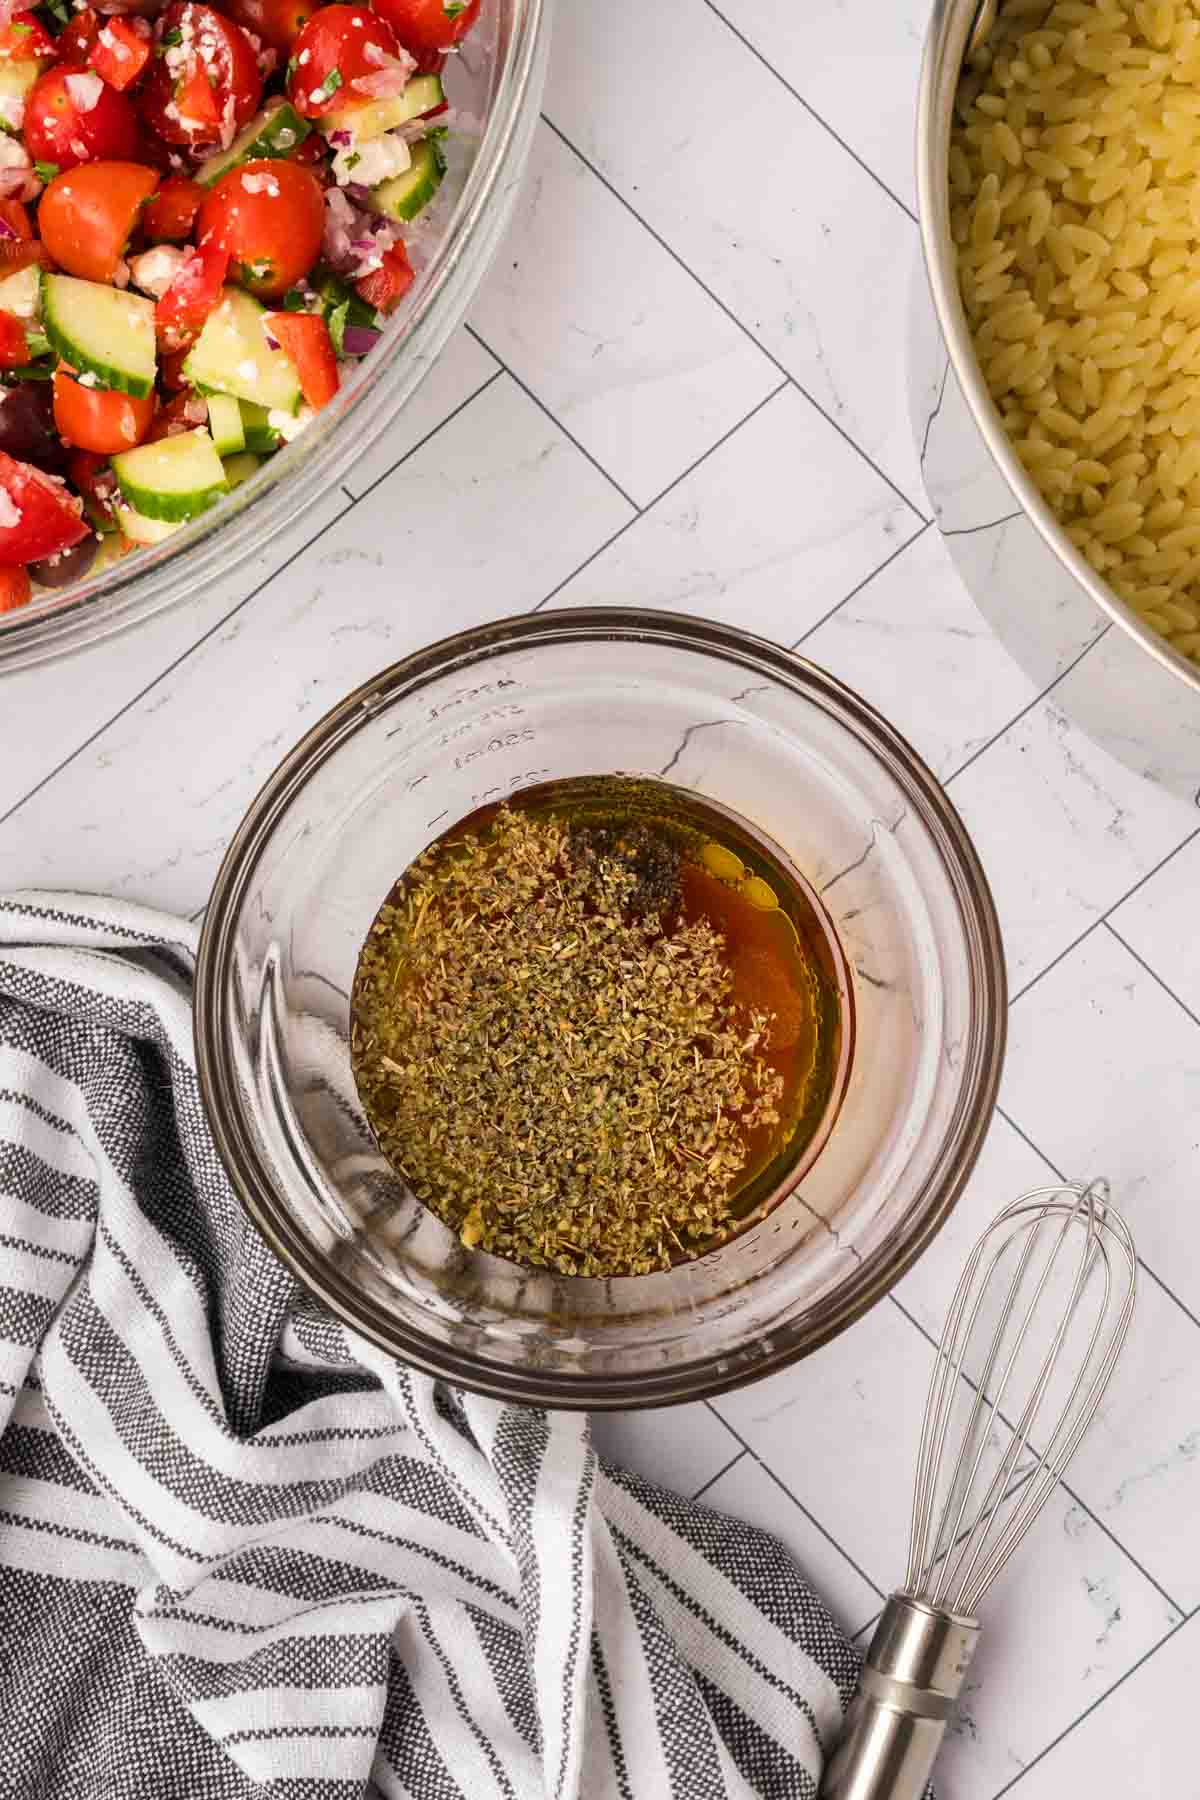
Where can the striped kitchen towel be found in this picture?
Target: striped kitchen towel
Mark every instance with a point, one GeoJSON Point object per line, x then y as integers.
{"type": "Point", "coordinates": [243, 1553]}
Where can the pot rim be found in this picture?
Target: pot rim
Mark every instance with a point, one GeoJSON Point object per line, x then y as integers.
{"type": "Point", "coordinates": [950, 28]}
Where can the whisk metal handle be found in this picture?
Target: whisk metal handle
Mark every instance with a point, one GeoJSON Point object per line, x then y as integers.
{"type": "Point", "coordinates": [912, 1677]}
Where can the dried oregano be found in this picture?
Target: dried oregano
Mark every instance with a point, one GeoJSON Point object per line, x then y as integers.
{"type": "Point", "coordinates": [560, 1080]}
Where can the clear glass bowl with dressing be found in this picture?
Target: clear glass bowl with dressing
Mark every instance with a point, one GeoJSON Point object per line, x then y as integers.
{"type": "Point", "coordinates": [741, 724]}
{"type": "Point", "coordinates": [494, 86]}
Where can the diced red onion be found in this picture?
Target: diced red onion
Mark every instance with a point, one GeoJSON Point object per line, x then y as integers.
{"type": "Point", "coordinates": [382, 84]}
{"type": "Point", "coordinates": [358, 339]}
{"type": "Point", "coordinates": [341, 139]}
{"type": "Point", "coordinates": [356, 191]}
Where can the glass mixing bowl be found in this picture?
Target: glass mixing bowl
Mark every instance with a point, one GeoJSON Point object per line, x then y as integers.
{"type": "Point", "coordinates": [494, 85]}
{"type": "Point", "coordinates": [509, 706]}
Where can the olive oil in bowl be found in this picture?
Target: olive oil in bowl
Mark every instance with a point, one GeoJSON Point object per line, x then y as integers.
{"type": "Point", "coordinates": [597, 1028]}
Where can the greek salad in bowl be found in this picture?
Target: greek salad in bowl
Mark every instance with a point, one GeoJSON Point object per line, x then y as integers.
{"type": "Point", "coordinates": [203, 213]}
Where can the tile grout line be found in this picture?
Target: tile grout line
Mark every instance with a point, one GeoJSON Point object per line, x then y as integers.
{"type": "Point", "coordinates": [1104, 917]}
{"type": "Point", "coordinates": [784, 1488]}
{"type": "Point", "coordinates": [1027, 709]}
{"type": "Point", "coordinates": [204, 637]}
{"type": "Point", "coordinates": [1097, 1702]}
{"type": "Point", "coordinates": [1153, 973]}
{"type": "Point", "coordinates": [1064, 1486]}
{"type": "Point", "coordinates": [865, 582]}
{"type": "Point", "coordinates": [1142, 1264]}
{"type": "Point", "coordinates": [811, 110]}
{"type": "Point", "coordinates": [651, 504]}
{"type": "Point", "coordinates": [431, 433]}
{"type": "Point", "coordinates": [739, 1456]}
{"type": "Point", "coordinates": [553, 418]}
{"type": "Point", "coordinates": [729, 313]}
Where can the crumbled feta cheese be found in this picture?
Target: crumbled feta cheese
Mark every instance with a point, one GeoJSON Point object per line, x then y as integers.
{"type": "Point", "coordinates": [302, 58]}
{"type": "Point", "coordinates": [88, 379]}
{"type": "Point", "coordinates": [290, 425]}
{"type": "Point", "coordinates": [84, 89]}
{"type": "Point", "coordinates": [373, 161]}
{"type": "Point", "coordinates": [247, 370]}
{"type": "Point", "coordinates": [10, 512]}
{"type": "Point", "coordinates": [79, 149]}
{"type": "Point", "coordinates": [13, 155]}
{"type": "Point", "coordinates": [113, 44]}
{"type": "Point", "coordinates": [154, 270]}
{"type": "Point", "coordinates": [12, 111]}
{"type": "Point", "coordinates": [262, 183]}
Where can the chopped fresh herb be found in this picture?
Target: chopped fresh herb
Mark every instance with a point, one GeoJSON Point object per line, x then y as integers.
{"type": "Point", "coordinates": [171, 38]}
{"type": "Point", "coordinates": [352, 161]}
{"type": "Point", "coordinates": [293, 301]}
{"type": "Point", "coordinates": [453, 8]}
{"type": "Point", "coordinates": [58, 14]}
{"type": "Point", "coordinates": [30, 372]}
{"type": "Point", "coordinates": [37, 343]}
{"type": "Point", "coordinates": [45, 171]}
{"type": "Point", "coordinates": [563, 1081]}
{"type": "Point", "coordinates": [19, 25]}
{"type": "Point", "coordinates": [292, 66]}
{"type": "Point", "coordinates": [330, 85]}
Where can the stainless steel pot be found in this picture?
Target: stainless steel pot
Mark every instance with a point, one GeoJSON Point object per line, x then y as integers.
{"type": "Point", "coordinates": [1117, 678]}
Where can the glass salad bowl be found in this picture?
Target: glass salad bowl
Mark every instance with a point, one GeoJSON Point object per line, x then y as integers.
{"type": "Point", "coordinates": [739, 724]}
{"type": "Point", "coordinates": [494, 87]}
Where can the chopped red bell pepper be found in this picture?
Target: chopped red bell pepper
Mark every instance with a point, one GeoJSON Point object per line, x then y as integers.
{"type": "Point", "coordinates": [25, 36]}
{"type": "Point", "coordinates": [180, 314]}
{"type": "Point", "coordinates": [386, 286]}
{"type": "Point", "coordinates": [14, 351]}
{"type": "Point", "coordinates": [195, 99]}
{"type": "Point", "coordinates": [15, 589]}
{"type": "Point", "coordinates": [39, 514]}
{"type": "Point", "coordinates": [120, 54]}
{"type": "Point", "coordinates": [305, 340]}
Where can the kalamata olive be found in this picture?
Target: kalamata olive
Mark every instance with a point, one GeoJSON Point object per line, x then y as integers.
{"type": "Point", "coordinates": [65, 566]}
{"type": "Point", "coordinates": [27, 425]}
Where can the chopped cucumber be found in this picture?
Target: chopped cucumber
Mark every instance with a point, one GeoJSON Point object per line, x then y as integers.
{"type": "Point", "coordinates": [16, 79]}
{"type": "Point", "coordinates": [240, 468]}
{"type": "Point", "coordinates": [232, 356]}
{"type": "Point", "coordinates": [260, 435]}
{"type": "Point", "coordinates": [225, 424]}
{"type": "Point", "coordinates": [102, 331]}
{"type": "Point", "coordinates": [274, 132]}
{"type": "Point", "coordinates": [141, 530]}
{"type": "Point", "coordinates": [22, 293]}
{"type": "Point", "coordinates": [175, 478]}
{"type": "Point", "coordinates": [404, 196]}
{"type": "Point", "coordinates": [422, 94]}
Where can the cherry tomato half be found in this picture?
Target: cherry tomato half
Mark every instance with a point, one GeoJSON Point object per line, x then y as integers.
{"type": "Point", "coordinates": [269, 216]}
{"type": "Point", "coordinates": [277, 22]}
{"type": "Point", "coordinates": [25, 36]}
{"type": "Point", "coordinates": [71, 117]}
{"type": "Point", "coordinates": [207, 81]}
{"type": "Point", "coordinates": [96, 418]}
{"type": "Point", "coordinates": [424, 25]}
{"type": "Point", "coordinates": [87, 216]}
{"type": "Point", "coordinates": [38, 514]}
{"type": "Point", "coordinates": [339, 45]}
{"type": "Point", "coordinates": [170, 215]}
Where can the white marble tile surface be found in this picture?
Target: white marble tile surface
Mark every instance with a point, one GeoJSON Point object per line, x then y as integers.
{"type": "Point", "coordinates": [740, 539]}
{"type": "Point", "coordinates": [716, 219]}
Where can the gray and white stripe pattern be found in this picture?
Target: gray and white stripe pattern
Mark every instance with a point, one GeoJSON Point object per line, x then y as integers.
{"type": "Point", "coordinates": [242, 1553]}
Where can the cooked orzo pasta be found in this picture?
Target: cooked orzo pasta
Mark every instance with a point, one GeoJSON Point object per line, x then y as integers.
{"type": "Point", "coordinates": [1075, 209]}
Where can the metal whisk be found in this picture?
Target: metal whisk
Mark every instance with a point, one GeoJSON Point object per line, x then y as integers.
{"type": "Point", "coordinates": [1032, 1338]}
